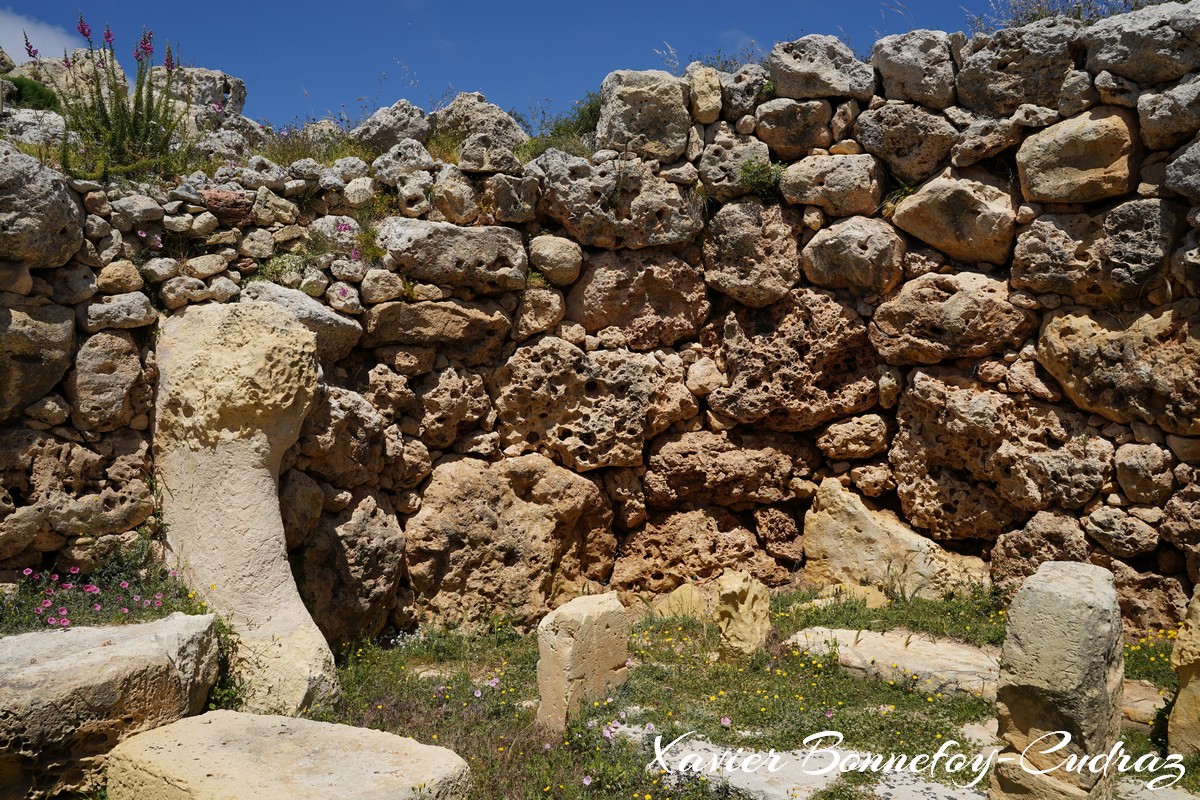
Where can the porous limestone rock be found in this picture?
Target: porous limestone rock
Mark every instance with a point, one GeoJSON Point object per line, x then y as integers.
{"type": "Point", "coordinates": [41, 223]}
{"type": "Point", "coordinates": [688, 600]}
{"type": "Point", "coordinates": [1145, 472]}
{"type": "Point", "coordinates": [773, 358]}
{"type": "Point", "coordinates": [742, 91]}
{"type": "Point", "coordinates": [742, 611]}
{"type": "Point", "coordinates": [1048, 536]}
{"type": "Point", "coordinates": [513, 538]}
{"type": "Point", "coordinates": [558, 259]}
{"type": "Point", "coordinates": [1098, 260]}
{"type": "Point", "coordinates": [691, 546]}
{"type": "Point", "coordinates": [1089, 157]}
{"type": "Point", "coordinates": [732, 469]}
{"type": "Point", "coordinates": [1061, 669]}
{"type": "Point", "coordinates": [583, 653]}
{"type": "Point", "coordinates": [1120, 533]}
{"type": "Point", "coordinates": [1181, 525]}
{"type": "Point", "coordinates": [861, 254]}
{"type": "Point", "coordinates": [107, 368]}
{"type": "Point", "coordinates": [728, 159]}
{"type": "Point", "coordinates": [235, 382]}
{"type": "Point", "coordinates": [127, 310]}
{"type": "Point", "coordinates": [841, 185]}
{"type": "Point", "coordinates": [1001, 71]}
{"type": "Point", "coordinates": [587, 410]}
{"type": "Point", "coordinates": [615, 204]}
{"type": "Point", "coordinates": [36, 347]}
{"type": "Point", "coordinates": [819, 66]}
{"type": "Point", "coordinates": [848, 541]}
{"type": "Point", "coordinates": [1148, 46]}
{"type": "Point", "coordinates": [750, 252]}
{"type": "Point", "coordinates": [1182, 173]}
{"type": "Point", "coordinates": [1171, 117]}
{"type": "Point", "coordinates": [704, 93]}
{"type": "Point", "coordinates": [336, 334]}
{"type": "Point", "coordinates": [485, 133]}
{"type": "Point", "coordinates": [240, 756]}
{"type": "Point", "coordinates": [780, 535]}
{"type": "Point", "coordinates": [958, 315]}
{"type": "Point", "coordinates": [1146, 368]}
{"type": "Point", "coordinates": [855, 438]}
{"type": "Point", "coordinates": [488, 260]}
{"type": "Point", "coordinates": [69, 696]}
{"type": "Point", "coordinates": [644, 113]}
{"type": "Point", "coordinates": [541, 309]}
{"type": "Point", "coordinates": [203, 87]}
{"type": "Point", "coordinates": [791, 128]}
{"type": "Point", "coordinates": [1183, 727]}
{"type": "Point", "coordinates": [916, 66]}
{"type": "Point", "coordinates": [390, 125]}
{"type": "Point", "coordinates": [648, 298]}
{"type": "Point", "coordinates": [341, 440]}
{"type": "Point", "coordinates": [912, 141]}
{"type": "Point", "coordinates": [968, 214]}
{"type": "Point", "coordinates": [452, 402]}
{"type": "Point", "coordinates": [470, 332]}
{"type": "Point", "coordinates": [971, 462]}
{"type": "Point", "coordinates": [300, 503]}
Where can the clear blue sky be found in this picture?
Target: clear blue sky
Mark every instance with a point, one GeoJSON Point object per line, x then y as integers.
{"type": "Point", "coordinates": [305, 58]}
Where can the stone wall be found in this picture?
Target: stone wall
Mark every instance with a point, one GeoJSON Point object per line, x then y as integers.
{"type": "Point", "coordinates": [972, 297]}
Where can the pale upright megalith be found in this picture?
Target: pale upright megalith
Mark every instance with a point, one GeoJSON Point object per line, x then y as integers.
{"type": "Point", "coordinates": [235, 382]}
{"type": "Point", "coordinates": [1183, 728]}
{"type": "Point", "coordinates": [743, 613]}
{"type": "Point", "coordinates": [583, 650]}
{"type": "Point", "coordinates": [1061, 670]}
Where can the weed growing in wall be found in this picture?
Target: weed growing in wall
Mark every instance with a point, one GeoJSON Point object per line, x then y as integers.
{"type": "Point", "coordinates": [572, 132]}
{"type": "Point", "coordinates": [762, 178]}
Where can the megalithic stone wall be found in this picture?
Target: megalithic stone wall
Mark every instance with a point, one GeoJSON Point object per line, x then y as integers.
{"type": "Point", "coordinates": [961, 281]}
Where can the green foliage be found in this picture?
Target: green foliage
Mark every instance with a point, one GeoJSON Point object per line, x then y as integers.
{"type": "Point", "coordinates": [1015, 13]}
{"type": "Point", "coordinates": [32, 94]}
{"type": "Point", "coordinates": [443, 145]}
{"type": "Point", "coordinates": [1149, 658]}
{"type": "Point", "coordinates": [572, 132]}
{"type": "Point", "coordinates": [229, 690]}
{"type": "Point", "coordinates": [762, 178]}
{"type": "Point", "coordinates": [280, 265]}
{"type": "Point", "coordinates": [535, 280]}
{"type": "Point", "coordinates": [323, 141]}
{"type": "Point", "coordinates": [732, 60]}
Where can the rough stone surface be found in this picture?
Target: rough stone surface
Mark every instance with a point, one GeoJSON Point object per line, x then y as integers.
{"type": "Point", "coordinates": [1150, 45]}
{"type": "Point", "coordinates": [107, 368]}
{"type": "Point", "coordinates": [36, 343]}
{"type": "Point", "coordinates": [487, 260]}
{"type": "Point", "coordinates": [392, 124]}
{"type": "Point", "coordinates": [819, 66]}
{"type": "Point", "coordinates": [917, 67]}
{"type": "Point", "coordinates": [470, 332]}
{"type": "Point", "coordinates": [558, 259]}
{"type": "Point", "coordinates": [240, 756]}
{"type": "Point", "coordinates": [1119, 533]}
{"type": "Point", "coordinates": [514, 538]}
{"type": "Point", "coordinates": [644, 113]}
{"type": "Point", "coordinates": [938, 317]}
{"type": "Point", "coordinates": [1145, 473]}
{"type": "Point", "coordinates": [861, 254]}
{"type": "Point", "coordinates": [727, 158]}
{"type": "Point", "coordinates": [41, 224]}
{"type": "Point", "coordinates": [487, 135]}
{"type": "Point", "coordinates": [841, 185]}
{"type": "Point", "coordinates": [336, 334]}
{"type": "Point", "coordinates": [968, 214]}
{"type": "Point", "coordinates": [69, 696]}
{"type": "Point", "coordinates": [583, 649]}
{"type": "Point", "coordinates": [1183, 728]}
{"type": "Point", "coordinates": [1171, 117]}
{"type": "Point", "coordinates": [742, 611]}
{"type": "Point", "coordinates": [855, 438]}
{"type": "Point", "coordinates": [971, 462]}
{"type": "Point", "coordinates": [1047, 536]}
{"type": "Point", "coordinates": [1089, 157]}
{"type": "Point", "coordinates": [651, 297]}
{"type": "Point", "coordinates": [912, 141]}
{"type": "Point", "coordinates": [750, 252]}
{"type": "Point", "coordinates": [1002, 71]}
{"type": "Point", "coordinates": [792, 128]}
{"type": "Point", "coordinates": [1146, 369]}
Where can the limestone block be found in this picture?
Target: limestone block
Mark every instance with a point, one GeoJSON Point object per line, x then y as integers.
{"type": "Point", "coordinates": [582, 649]}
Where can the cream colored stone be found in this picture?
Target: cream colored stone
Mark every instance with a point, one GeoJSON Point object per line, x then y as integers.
{"type": "Point", "coordinates": [688, 600]}
{"type": "Point", "coordinates": [582, 654]}
{"type": "Point", "coordinates": [743, 613]}
{"type": "Point", "coordinates": [1183, 728]}
{"type": "Point", "coordinates": [1082, 159]}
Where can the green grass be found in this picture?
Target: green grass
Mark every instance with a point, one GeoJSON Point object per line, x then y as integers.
{"type": "Point", "coordinates": [568, 132]}
{"type": "Point", "coordinates": [32, 94]}
{"type": "Point", "coordinates": [298, 141]}
{"type": "Point", "coordinates": [1149, 658]}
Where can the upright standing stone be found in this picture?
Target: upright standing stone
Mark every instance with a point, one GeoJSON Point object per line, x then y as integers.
{"type": "Point", "coordinates": [1183, 729]}
{"type": "Point", "coordinates": [583, 647]}
{"type": "Point", "coordinates": [1061, 669]}
{"type": "Point", "coordinates": [743, 613]}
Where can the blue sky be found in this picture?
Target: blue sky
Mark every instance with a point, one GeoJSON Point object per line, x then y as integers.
{"type": "Point", "coordinates": [304, 59]}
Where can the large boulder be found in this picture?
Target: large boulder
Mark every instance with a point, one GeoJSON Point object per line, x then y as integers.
{"type": "Point", "coordinates": [108, 367]}
{"type": "Point", "coordinates": [1151, 45]}
{"type": "Point", "coordinates": [486, 136]}
{"type": "Point", "coordinates": [795, 365]}
{"type": "Point", "coordinates": [390, 125]}
{"type": "Point", "coordinates": [862, 254]}
{"type": "Point", "coordinates": [235, 382]}
{"type": "Point", "coordinates": [1001, 71]}
{"type": "Point", "coordinates": [916, 66]}
{"type": "Point", "coordinates": [750, 252]}
{"type": "Point", "coordinates": [203, 87]}
{"type": "Point", "coordinates": [461, 330]}
{"type": "Point", "coordinates": [1082, 159]}
{"type": "Point", "coordinates": [912, 141]}
{"type": "Point", "coordinates": [1171, 117]}
{"type": "Point", "coordinates": [513, 539]}
{"type": "Point", "coordinates": [37, 343]}
{"type": "Point", "coordinates": [971, 462]}
{"type": "Point", "coordinates": [938, 317]}
{"type": "Point", "coordinates": [645, 298]}
{"type": "Point", "coordinates": [841, 185]}
{"type": "Point", "coordinates": [616, 204]}
{"type": "Point", "coordinates": [1048, 536]}
{"type": "Point", "coordinates": [587, 409]}
{"type": "Point", "coordinates": [729, 159]}
{"type": "Point", "coordinates": [486, 259]}
{"type": "Point", "coordinates": [968, 214]}
{"type": "Point", "coordinates": [1146, 368]}
{"type": "Point", "coordinates": [341, 440]}
{"type": "Point", "coordinates": [69, 696]}
{"type": "Point", "coordinates": [41, 222]}
{"type": "Point", "coordinates": [742, 612]}
{"type": "Point", "coordinates": [241, 756]}
{"type": "Point", "coordinates": [819, 66]}
{"type": "Point", "coordinates": [791, 128]}
{"type": "Point", "coordinates": [644, 113]}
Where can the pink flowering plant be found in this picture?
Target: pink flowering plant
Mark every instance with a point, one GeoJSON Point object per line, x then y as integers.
{"type": "Point", "coordinates": [111, 130]}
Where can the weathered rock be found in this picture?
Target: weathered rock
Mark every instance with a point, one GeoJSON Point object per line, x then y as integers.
{"type": "Point", "coordinates": [488, 260]}
{"type": "Point", "coordinates": [128, 310]}
{"type": "Point", "coordinates": [119, 277]}
{"type": "Point", "coordinates": [742, 612]}
{"type": "Point", "coordinates": [1100, 260]}
{"type": "Point", "coordinates": [968, 214]}
{"type": "Point", "coordinates": [729, 160]}
{"type": "Point", "coordinates": [792, 128]}
{"type": "Point", "coordinates": [675, 548]}
{"type": "Point", "coordinates": [1120, 533]}
{"type": "Point", "coordinates": [780, 535]}
{"type": "Point", "coordinates": [510, 199]}
{"type": "Point", "coordinates": [773, 358]}
{"type": "Point", "coordinates": [107, 368]}
{"type": "Point", "coordinates": [541, 309]}
{"type": "Point", "coordinates": [231, 208]}
{"type": "Point", "coordinates": [300, 503]}
{"type": "Point", "coordinates": [912, 142]}
{"type": "Point", "coordinates": [689, 600]}
{"type": "Point", "coordinates": [470, 332]}
{"type": "Point", "coordinates": [134, 210]}
{"type": "Point", "coordinates": [336, 334]}
{"type": "Point", "coordinates": [1150, 45]}
{"type": "Point", "coordinates": [651, 297]}
{"type": "Point", "coordinates": [958, 315]}
{"type": "Point", "coordinates": [1061, 669]}
{"type": "Point", "coordinates": [1048, 536]}
{"type": "Point", "coordinates": [1146, 369]}
{"type": "Point", "coordinates": [819, 66]}
{"type": "Point", "coordinates": [971, 462]}
{"type": "Point", "coordinates": [242, 756]}
{"type": "Point", "coordinates": [1089, 157]}
{"type": "Point", "coordinates": [1182, 173]}
{"type": "Point", "coordinates": [616, 204]}
{"type": "Point", "coordinates": [341, 440]}
{"type": "Point", "coordinates": [750, 252]}
{"type": "Point", "coordinates": [1145, 473]}
{"type": "Point", "coordinates": [69, 696]}
{"type": "Point", "coordinates": [984, 138]}
{"type": "Point", "coordinates": [41, 223]}
{"type": "Point", "coordinates": [731, 469]}
{"type": "Point", "coordinates": [848, 541]}
{"type": "Point", "coordinates": [644, 113]}
{"type": "Point", "coordinates": [558, 259]}
{"type": "Point", "coordinates": [854, 438]}
{"type": "Point", "coordinates": [1183, 728]}
{"type": "Point", "coordinates": [916, 66]}
{"type": "Point", "coordinates": [704, 90]}
{"type": "Point", "coordinates": [516, 537]}
{"type": "Point", "coordinates": [392, 124]}
{"type": "Point", "coordinates": [841, 185]}
{"type": "Point", "coordinates": [583, 651]}
{"type": "Point", "coordinates": [486, 134]}
{"type": "Point", "coordinates": [587, 410]}
{"type": "Point", "coordinates": [235, 382]}
{"type": "Point", "coordinates": [403, 159]}
{"type": "Point", "coordinates": [861, 254]}
{"type": "Point", "coordinates": [36, 346]}
{"type": "Point", "coordinates": [1171, 117]}
{"type": "Point", "coordinates": [1004, 70]}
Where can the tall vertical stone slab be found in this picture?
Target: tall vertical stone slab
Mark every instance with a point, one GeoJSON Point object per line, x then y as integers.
{"type": "Point", "coordinates": [1061, 670]}
{"type": "Point", "coordinates": [1183, 728]}
{"type": "Point", "coordinates": [583, 647]}
{"type": "Point", "coordinates": [235, 382]}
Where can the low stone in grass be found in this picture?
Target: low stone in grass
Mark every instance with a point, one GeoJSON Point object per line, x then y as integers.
{"type": "Point", "coordinates": [743, 613]}
{"type": "Point", "coordinates": [582, 652]}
